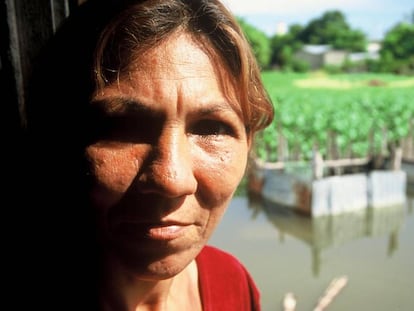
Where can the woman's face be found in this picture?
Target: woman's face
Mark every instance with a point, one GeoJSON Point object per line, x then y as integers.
{"type": "Point", "coordinates": [170, 152]}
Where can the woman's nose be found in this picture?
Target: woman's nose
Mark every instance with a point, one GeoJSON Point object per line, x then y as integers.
{"type": "Point", "coordinates": [169, 171]}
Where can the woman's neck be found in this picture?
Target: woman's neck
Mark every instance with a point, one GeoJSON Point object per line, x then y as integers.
{"type": "Point", "coordinates": [124, 292]}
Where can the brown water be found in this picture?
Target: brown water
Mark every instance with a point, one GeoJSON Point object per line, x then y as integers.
{"type": "Point", "coordinates": [286, 252]}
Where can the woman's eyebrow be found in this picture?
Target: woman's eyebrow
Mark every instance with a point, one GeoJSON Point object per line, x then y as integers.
{"type": "Point", "coordinates": [214, 108]}
{"type": "Point", "coordinates": [122, 106]}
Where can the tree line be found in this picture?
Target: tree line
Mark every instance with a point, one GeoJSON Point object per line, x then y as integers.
{"type": "Point", "coordinates": [278, 51]}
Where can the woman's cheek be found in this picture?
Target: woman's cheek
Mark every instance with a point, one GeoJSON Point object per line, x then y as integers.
{"type": "Point", "coordinates": [113, 172]}
{"type": "Point", "coordinates": [220, 169]}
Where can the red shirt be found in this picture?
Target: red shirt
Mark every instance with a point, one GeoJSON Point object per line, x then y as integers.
{"type": "Point", "coordinates": [225, 284]}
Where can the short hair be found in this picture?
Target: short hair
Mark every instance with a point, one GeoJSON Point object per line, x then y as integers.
{"type": "Point", "coordinates": [141, 25]}
{"type": "Point", "coordinates": [99, 39]}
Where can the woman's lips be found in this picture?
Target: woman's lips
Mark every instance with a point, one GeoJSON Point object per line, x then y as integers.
{"type": "Point", "coordinates": [155, 231]}
{"type": "Point", "coordinates": [165, 232]}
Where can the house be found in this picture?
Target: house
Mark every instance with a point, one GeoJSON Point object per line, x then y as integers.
{"type": "Point", "coordinates": [372, 52]}
{"type": "Point", "coordinates": [318, 56]}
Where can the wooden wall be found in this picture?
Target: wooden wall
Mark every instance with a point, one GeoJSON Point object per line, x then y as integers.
{"type": "Point", "coordinates": [25, 26]}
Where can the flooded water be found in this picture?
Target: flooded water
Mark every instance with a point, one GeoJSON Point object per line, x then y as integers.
{"type": "Point", "coordinates": [286, 252]}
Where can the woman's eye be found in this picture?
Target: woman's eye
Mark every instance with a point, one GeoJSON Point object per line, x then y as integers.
{"type": "Point", "coordinates": [124, 129]}
{"type": "Point", "coordinates": [211, 128]}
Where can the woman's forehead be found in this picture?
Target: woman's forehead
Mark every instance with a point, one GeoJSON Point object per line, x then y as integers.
{"type": "Point", "coordinates": [178, 50]}
{"type": "Point", "coordinates": [180, 56]}
{"type": "Point", "coordinates": [179, 61]}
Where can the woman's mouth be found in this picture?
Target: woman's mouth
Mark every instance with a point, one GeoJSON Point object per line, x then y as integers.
{"type": "Point", "coordinates": [165, 232]}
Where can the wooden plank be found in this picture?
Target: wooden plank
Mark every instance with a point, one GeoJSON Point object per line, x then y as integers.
{"type": "Point", "coordinates": [346, 162]}
{"type": "Point", "coordinates": [9, 106]}
{"type": "Point", "coordinates": [59, 12]}
{"type": "Point", "coordinates": [29, 25]}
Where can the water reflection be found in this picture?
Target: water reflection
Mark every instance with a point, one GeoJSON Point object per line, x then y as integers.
{"type": "Point", "coordinates": [324, 232]}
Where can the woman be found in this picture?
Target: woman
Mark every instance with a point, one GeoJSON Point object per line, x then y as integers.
{"type": "Point", "coordinates": [154, 105]}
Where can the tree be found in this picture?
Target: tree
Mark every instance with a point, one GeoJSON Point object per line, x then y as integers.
{"type": "Point", "coordinates": [397, 53]}
{"type": "Point", "coordinates": [259, 41]}
{"type": "Point", "coordinates": [284, 46]}
{"type": "Point", "coordinates": [399, 41]}
{"type": "Point", "coordinates": [332, 28]}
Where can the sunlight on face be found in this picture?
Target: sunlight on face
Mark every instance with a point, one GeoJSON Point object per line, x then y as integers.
{"type": "Point", "coordinates": [171, 150]}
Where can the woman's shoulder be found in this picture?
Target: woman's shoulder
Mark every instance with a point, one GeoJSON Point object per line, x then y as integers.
{"type": "Point", "coordinates": [218, 263]}
{"type": "Point", "coordinates": [214, 255]}
{"type": "Point", "coordinates": [223, 278]}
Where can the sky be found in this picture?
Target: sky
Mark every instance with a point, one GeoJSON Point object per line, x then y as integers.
{"type": "Point", "coordinates": [373, 17]}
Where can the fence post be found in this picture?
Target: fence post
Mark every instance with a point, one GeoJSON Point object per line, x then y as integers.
{"type": "Point", "coordinates": [408, 143]}
{"type": "Point", "coordinates": [396, 159]}
{"type": "Point", "coordinates": [317, 164]}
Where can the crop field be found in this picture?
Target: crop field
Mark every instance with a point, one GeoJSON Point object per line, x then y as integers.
{"type": "Point", "coordinates": [343, 116]}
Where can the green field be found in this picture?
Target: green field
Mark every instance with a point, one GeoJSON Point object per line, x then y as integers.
{"type": "Point", "coordinates": [344, 115]}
